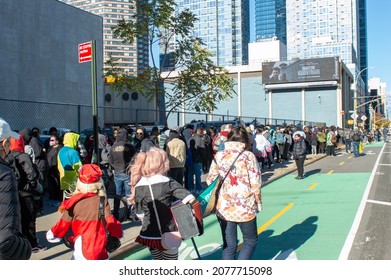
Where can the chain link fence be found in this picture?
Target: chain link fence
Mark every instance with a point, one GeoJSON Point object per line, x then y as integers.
{"type": "Point", "coordinates": [26, 113]}
{"type": "Point", "coordinates": [42, 114]}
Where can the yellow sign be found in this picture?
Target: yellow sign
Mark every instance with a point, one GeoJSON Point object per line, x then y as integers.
{"type": "Point", "coordinates": [350, 121]}
{"type": "Point", "coordinates": [110, 79]}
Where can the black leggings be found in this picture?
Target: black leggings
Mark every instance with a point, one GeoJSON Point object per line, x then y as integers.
{"type": "Point", "coordinates": [330, 150]}
{"type": "Point", "coordinates": [300, 166]}
{"type": "Point", "coordinates": [28, 218]}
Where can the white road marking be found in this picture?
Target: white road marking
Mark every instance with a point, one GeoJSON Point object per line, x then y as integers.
{"type": "Point", "coordinates": [353, 231]}
{"type": "Point", "coordinates": [379, 202]}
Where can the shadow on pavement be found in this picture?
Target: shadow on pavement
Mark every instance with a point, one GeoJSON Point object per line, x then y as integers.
{"type": "Point", "coordinates": [283, 246]}
{"type": "Point", "coordinates": [279, 247]}
{"type": "Point", "coordinates": [312, 172]}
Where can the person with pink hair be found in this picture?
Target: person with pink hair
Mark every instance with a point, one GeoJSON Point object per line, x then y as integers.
{"type": "Point", "coordinates": [149, 174]}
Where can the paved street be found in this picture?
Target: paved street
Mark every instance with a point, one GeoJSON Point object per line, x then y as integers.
{"type": "Point", "coordinates": [309, 219]}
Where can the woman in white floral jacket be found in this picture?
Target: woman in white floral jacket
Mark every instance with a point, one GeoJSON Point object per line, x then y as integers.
{"type": "Point", "coordinates": [239, 198]}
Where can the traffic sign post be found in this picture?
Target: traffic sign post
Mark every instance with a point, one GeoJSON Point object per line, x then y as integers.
{"type": "Point", "coordinates": [87, 52]}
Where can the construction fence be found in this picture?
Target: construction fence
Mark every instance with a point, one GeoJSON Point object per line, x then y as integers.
{"type": "Point", "coordinates": [77, 117]}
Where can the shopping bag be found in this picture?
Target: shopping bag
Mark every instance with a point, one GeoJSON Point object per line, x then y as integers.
{"type": "Point", "coordinates": [361, 148]}
{"type": "Point", "coordinates": [208, 197]}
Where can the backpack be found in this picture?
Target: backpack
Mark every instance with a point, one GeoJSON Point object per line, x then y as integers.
{"type": "Point", "coordinates": [266, 134]}
{"type": "Point", "coordinates": [39, 188]}
{"type": "Point", "coordinates": [333, 139]}
{"type": "Point", "coordinates": [30, 151]}
{"type": "Point", "coordinates": [356, 137]}
{"type": "Point", "coordinates": [36, 186]}
{"type": "Point", "coordinates": [221, 146]}
{"type": "Point", "coordinates": [155, 140]}
{"type": "Point", "coordinates": [216, 142]}
{"type": "Point", "coordinates": [279, 138]}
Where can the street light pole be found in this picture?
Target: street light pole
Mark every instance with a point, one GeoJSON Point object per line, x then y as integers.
{"type": "Point", "coordinates": [374, 115]}
{"type": "Point", "coordinates": [355, 97]}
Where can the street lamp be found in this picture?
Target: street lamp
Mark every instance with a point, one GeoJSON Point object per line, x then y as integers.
{"type": "Point", "coordinates": [355, 97]}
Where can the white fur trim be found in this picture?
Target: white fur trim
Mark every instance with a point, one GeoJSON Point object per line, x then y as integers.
{"type": "Point", "coordinates": [188, 198]}
{"type": "Point", "coordinates": [155, 179]}
{"type": "Point", "coordinates": [50, 237]}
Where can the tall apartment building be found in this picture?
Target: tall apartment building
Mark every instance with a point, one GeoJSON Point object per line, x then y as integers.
{"type": "Point", "coordinates": [224, 26]}
{"type": "Point", "coordinates": [270, 20]}
{"type": "Point", "coordinates": [131, 56]}
{"type": "Point", "coordinates": [325, 28]}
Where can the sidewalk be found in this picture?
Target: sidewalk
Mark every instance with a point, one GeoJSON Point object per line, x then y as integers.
{"type": "Point", "coordinates": [58, 251]}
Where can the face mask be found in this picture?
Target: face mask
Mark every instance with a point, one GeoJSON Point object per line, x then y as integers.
{"type": "Point", "coordinates": [51, 143]}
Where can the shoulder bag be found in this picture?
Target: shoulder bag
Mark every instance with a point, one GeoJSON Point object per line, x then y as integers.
{"type": "Point", "coordinates": [220, 183]}
{"type": "Point", "coordinates": [113, 243]}
{"type": "Point", "coordinates": [170, 240]}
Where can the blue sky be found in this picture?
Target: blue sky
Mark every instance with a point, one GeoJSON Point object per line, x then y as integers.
{"type": "Point", "coordinates": [379, 41]}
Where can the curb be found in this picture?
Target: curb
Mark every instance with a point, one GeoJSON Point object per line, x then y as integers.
{"type": "Point", "coordinates": [125, 250]}
{"type": "Point", "coordinates": [292, 170]}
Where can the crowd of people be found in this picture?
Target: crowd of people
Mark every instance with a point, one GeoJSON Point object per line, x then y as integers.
{"type": "Point", "coordinates": [164, 164]}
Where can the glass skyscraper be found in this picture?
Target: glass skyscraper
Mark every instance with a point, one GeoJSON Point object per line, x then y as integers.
{"type": "Point", "coordinates": [131, 56]}
{"type": "Point", "coordinates": [270, 20]}
{"type": "Point", "coordinates": [362, 17]}
{"type": "Point", "coordinates": [326, 28]}
{"type": "Point", "coordinates": [223, 25]}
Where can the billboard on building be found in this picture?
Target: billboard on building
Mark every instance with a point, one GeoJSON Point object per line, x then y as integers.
{"type": "Point", "coordinates": [302, 70]}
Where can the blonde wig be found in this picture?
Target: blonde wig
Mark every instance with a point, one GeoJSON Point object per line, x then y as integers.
{"type": "Point", "coordinates": [96, 187]}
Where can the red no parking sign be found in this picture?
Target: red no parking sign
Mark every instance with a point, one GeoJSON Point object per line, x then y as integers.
{"type": "Point", "coordinates": [85, 52]}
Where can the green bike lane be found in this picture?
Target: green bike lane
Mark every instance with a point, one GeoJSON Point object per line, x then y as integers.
{"type": "Point", "coordinates": [306, 219]}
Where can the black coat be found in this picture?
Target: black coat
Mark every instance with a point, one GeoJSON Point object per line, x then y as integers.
{"type": "Point", "coordinates": [26, 174]}
{"type": "Point", "coordinates": [40, 157]}
{"type": "Point", "coordinates": [51, 159]}
{"type": "Point", "coordinates": [121, 152]}
{"type": "Point", "coordinates": [13, 246]}
{"type": "Point", "coordinates": [9, 202]}
{"type": "Point", "coordinates": [165, 191]}
{"type": "Point", "coordinates": [299, 148]}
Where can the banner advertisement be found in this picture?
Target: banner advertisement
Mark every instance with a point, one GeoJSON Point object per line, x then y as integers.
{"type": "Point", "coordinates": [302, 70]}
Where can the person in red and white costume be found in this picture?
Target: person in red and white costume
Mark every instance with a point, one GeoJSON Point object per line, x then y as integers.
{"type": "Point", "coordinates": [81, 213]}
